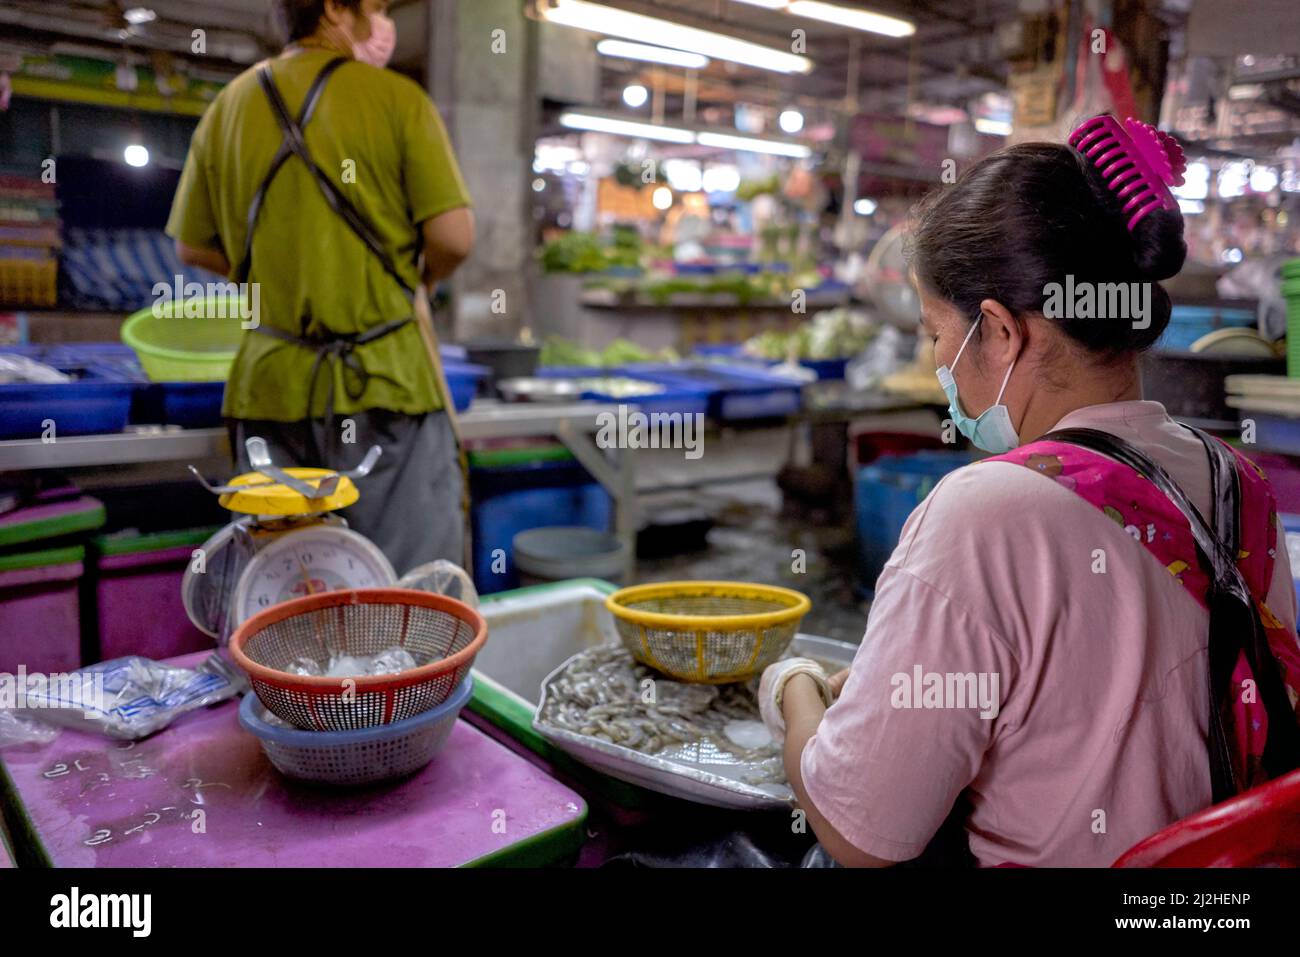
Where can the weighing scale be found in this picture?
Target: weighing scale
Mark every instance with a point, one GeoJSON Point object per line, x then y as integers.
{"type": "Point", "coordinates": [286, 543]}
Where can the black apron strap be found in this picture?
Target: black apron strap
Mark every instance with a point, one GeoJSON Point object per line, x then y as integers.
{"type": "Point", "coordinates": [334, 351]}
{"type": "Point", "coordinates": [296, 142]}
{"type": "Point", "coordinates": [330, 351]}
{"type": "Point", "coordinates": [1235, 628]}
{"type": "Point", "coordinates": [283, 153]}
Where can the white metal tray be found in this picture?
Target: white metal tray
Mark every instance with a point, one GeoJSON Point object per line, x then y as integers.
{"type": "Point", "coordinates": [687, 772]}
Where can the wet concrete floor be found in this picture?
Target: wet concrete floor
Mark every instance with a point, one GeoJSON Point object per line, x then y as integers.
{"type": "Point", "coordinates": [757, 538]}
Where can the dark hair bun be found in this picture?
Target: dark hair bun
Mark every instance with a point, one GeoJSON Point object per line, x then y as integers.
{"type": "Point", "coordinates": [1159, 246]}
{"type": "Point", "coordinates": [1038, 214]}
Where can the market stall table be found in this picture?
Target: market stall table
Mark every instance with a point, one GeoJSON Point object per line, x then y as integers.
{"type": "Point", "coordinates": [201, 794]}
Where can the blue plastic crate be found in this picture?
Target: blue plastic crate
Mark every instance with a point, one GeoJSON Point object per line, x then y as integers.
{"type": "Point", "coordinates": [885, 493]}
{"type": "Point", "coordinates": [674, 398]}
{"type": "Point", "coordinates": [825, 368]}
{"type": "Point", "coordinates": [1189, 323]}
{"type": "Point", "coordinates": [463, 379]}
{"type": "Point", "coordinates": [735, 391]}
{"type": "Point", "coordinates": [192, 405]}
{"type": "Point", "coordinates": [98, 402]}
{"type": "Point", "coordinates": [509, 500]}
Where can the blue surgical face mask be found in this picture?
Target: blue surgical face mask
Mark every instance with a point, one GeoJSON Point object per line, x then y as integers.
{"type": "Point", "coordinates": [992, 431]}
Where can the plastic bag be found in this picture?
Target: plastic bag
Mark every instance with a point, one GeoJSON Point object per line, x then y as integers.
{"type": "Point", "coordinates": [442, 578]}
{"type": "Point", "coordinates": [131, 698]}
{"type": "Point", "coordinates": [16, 729]}
{"type": "Point", "coordinates": [15, 368]}
{"type": "Point", "coordinates": [884, 355]}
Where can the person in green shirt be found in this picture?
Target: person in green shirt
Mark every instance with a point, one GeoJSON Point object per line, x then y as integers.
{"type": "Point", "coordinates": [337, 230]}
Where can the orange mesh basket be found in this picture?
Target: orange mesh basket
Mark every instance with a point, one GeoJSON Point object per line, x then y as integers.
{"type": "Point", "coordinates": [442, 635]}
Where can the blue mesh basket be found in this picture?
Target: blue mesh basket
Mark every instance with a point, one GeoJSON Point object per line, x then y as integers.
{"type": "Point", "coordinates": [355, 758]}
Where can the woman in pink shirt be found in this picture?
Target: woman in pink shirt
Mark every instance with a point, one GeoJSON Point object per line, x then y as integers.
{"type": "Point", "coordinates": [1031, 659]}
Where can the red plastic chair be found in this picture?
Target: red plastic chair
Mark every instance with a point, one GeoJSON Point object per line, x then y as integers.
{"type": "Point", "coordinates": [1260, 828]}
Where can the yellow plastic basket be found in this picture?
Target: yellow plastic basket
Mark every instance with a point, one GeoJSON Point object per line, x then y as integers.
{"type": "Point", "coordinates": [709, 632]}
{"type": "Point", "coordinates": [29, 282]}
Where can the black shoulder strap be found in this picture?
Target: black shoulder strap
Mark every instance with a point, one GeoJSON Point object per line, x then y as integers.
{"type": "Point", "coordinates": [1235, 627]}
{"type": "Point", "coordinates": [1222, 563]}
{"type": "Point", "coordinates": [295, 143]}
{"type": "Point", "coordinates": [1225, 491]}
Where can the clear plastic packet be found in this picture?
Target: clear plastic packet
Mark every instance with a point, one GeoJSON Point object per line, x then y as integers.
{"type": "Point", "coordinates": [442, 578]}
{"type": "Point", "coordinates": [131, 698]}
{"type": "Point", "coordinates": [21, 369]}
{"type": "Point", "coordinates": [16, 729]}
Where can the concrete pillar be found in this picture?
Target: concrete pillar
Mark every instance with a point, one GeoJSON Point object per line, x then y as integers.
{"type": "Point", "coordinates": [482, 69]}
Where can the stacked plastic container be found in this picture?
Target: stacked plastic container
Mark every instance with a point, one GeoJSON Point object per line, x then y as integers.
{"type": "Point", "coordinates": [516, 489]}
{"type": "Point", "coordinates": [1291, 293]}
{"type": "Point", "coordinates": [97, 400]}
{"type": "Point", "coordinates": [42, 563]}
{"type": "Point", "coordinates": [1189, 323]}
{"type": "Point", "coordinates": [885, 494]}
{"type": "Point", "coordinates": [134, 572]}
{"type": "Point", "coordinates": [29, 242]}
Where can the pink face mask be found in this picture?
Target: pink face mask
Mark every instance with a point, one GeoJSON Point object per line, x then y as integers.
{"type": "Point", "coordinates": [378, 49]}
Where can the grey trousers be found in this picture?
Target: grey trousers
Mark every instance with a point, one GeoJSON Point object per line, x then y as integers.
{"type": "Point", "coordinates": [410, 505]}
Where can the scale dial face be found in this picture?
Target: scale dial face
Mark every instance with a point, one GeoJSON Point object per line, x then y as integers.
{"type": "Point", "coordinates": [206, 594]}
{"type": "Point", "coordinates": [306, 562]}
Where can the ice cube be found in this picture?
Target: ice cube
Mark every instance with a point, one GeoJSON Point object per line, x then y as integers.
{"type": "Point", "coordinates": [748, 734]}
{"type": "Point", "coordinates": [307, 667]}
{"type": "Point", "coordinates": [390, 661]}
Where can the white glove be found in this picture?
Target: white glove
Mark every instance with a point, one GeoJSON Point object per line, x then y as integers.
{"type": "Point", "coordinates": [772, 687]}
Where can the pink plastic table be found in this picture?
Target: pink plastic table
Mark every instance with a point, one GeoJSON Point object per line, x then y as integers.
{"type": "Point", "coordinates": [202, 794]}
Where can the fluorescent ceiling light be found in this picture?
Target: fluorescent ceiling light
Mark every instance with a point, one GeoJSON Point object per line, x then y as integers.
{"type": "Point", "coordinates": [853, 18]}
{"type": "Point", "coordinates": [684, 176]}
{"type": "Point", "coordinates": [642, 51]}
{"type": "Point", "coordinates": [767, 4]}
{"type": "Point", "coordinates": [992, 127]}
{"type": "Point", "coordinates": [139, 15]}
{"type": "Point", "coordinates": [749, 144]}
{"type": "Point", "coordinates": [1190, 207]}
{"type": "Point", "coordinates": [1233, 178]}
{"type": "Point", "coordinates": [1196, 182]}
{"type": "Point", "coordinates": [605, 124]}
{"type": "Point", "coordinates": [634, 26]}
{"type": "Point", "coordinates": [1263, 179]}
{"type": "Point", "coordinates": [790, 121]}
{"type": "Point", "coordinates": [721, 179]}
{"type": "Point", "coordinates": [671, 134]}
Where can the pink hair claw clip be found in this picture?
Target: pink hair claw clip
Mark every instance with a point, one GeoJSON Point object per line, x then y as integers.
{"type": "Point", "coordinates": [1138, 162]}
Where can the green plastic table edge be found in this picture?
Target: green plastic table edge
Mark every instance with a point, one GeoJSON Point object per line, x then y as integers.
{"type": "Point", "coordinates": [69, 524]}
{"type": "Point", "coordinates": [39, 559]}
{"type": "Point", "coordinates": [552, 846]}
{"type": "Point", "coordinates": [26, 842]}
{"type": "Point", "coordinates": [7, 844]}
{"type": "Point", "coordinates": [504, 710]}
{"type": "Point", "coordinates": [496, 458]}
{"type": "Point", "coordinates": [154, 541]}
